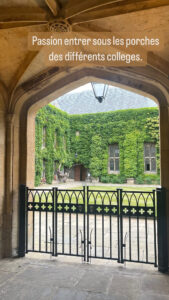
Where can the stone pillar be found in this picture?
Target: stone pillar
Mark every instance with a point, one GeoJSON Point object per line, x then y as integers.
{"type": "Point", "coordinates": [164, 154]}
{"type": "Point", "coordinates": [7, 207]}
{"type": "Point", "coordinates": [30, 172]}
{"type": "Point", "coordinates": [2, 172]}
{"type": "Point", "coordinates": [15, 186]}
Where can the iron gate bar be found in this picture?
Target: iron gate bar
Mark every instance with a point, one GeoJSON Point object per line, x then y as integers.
{"type": "Point", "coordinates": [84, 221]}
{"type": "Point", "coordinates": [108, 208]}
{"type": "Point", "coordinates": [87, 224]}
{"type": "Point", "coordinates": [40, 225]}
{"type": "Point", "coordinates": [138, 238]}
{"type": "Point", "coordinates": [26, 219]}
{"type": "Point", "coordinates": [39, 206]}
{"type": "Point", "coordinates": [112, 204]}
{"type": "Point", "coordinates": [53, 221]}
{"type": "Point", "coordinates": [155, 233]}
{"type": "Point", "coordinates": [119, 191]}
{"type": "Point", "coordinates": [162, 230]}
{"type": "Point", "coordinates": [118, 225]}
{"type": "Point", "coordinates": [55, 241]}
{"type": "Point", "coordinates": [76, 208]}
{"type": "Point", "coordinates": [127, 210]}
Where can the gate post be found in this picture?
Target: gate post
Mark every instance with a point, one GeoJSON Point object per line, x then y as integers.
{"type": "Point", "coordinates": [55, 222]}
{"type": "Point", "coordinates": [120, 227]}
{"type": "Point", "coordinates": [162, 230]}
{"type": "Point", "coordinates": [22, 217]}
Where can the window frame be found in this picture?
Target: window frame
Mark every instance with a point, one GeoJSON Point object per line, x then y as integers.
{"type": "Point", "coordinates": [114, 159]}
{"type": "Point", "coordinates": [150, 158]}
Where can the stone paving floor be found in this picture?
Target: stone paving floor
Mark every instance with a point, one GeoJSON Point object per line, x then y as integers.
{"type": "Point", "coordinates": [41, 243]}
{"type": "Point", "coordinates": [66, 278]}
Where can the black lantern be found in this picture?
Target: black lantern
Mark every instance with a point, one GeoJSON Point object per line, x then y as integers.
{"type": "Point", "coordinates": [100, 90]}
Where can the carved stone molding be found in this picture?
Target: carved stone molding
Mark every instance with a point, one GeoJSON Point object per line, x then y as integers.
{"type": "Point", "coordinates": [9, 118]}
{"type": "Point", "coordinates": [59, 25]}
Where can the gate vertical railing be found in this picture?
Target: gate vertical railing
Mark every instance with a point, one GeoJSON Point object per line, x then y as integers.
{"type": "Point", "coordinates": [101, 218]}
{"type": "Point", "coordinates": [52, 239]}
{"type": "Point", "coordinates": [55, 242]}
{"type": "Point", "coordinates": [70, 204]}
{"type": "Point", "coordinates": [83, 242]}
{"type": "Point", "coordinates": [138, 208]}
{"type": "Point", "coordinates": [155, 229]}
{"type": "Point", "coordinates": [120, 217]}
{"type": "Point", "coordinates": [162, 230]}
{"type": "Point", "coordinates": [87, 239]}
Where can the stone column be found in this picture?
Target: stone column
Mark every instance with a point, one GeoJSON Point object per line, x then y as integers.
{"type": "Point", "coordinates": [30, 172]}
{"type": "Point", "coordinates": [7, 207]}
{"type": "Point", "coordinates": [2, 172]}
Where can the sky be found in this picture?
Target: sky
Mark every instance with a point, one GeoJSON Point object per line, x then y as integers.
{"type": "Point", "coordinates": [86, 87]}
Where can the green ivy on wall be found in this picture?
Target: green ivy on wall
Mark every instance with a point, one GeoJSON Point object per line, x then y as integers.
{"type": "Point", "coordinates": [57, 126]}
{"type": "Point", "coordinates": [129, 128]}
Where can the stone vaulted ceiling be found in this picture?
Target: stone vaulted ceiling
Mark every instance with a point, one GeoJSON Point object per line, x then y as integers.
{"type": "Point", "coordinates": [19, 17]}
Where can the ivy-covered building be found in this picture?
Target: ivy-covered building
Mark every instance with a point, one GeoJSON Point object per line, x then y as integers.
{"type": "Point", "coordinates": [110, 146]}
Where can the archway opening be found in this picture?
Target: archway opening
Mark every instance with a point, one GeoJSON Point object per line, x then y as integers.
{"type": "Point", "coordinates": [56, 85]}
{"type": "Point", "coordinates": [126, 124]}
{"type": "Point", "coordinates": [108, 152]}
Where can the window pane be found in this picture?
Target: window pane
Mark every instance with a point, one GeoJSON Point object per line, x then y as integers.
{"type": "Point", "coordinates": [147, 164]}
{"type": "Point", "coordinates": [153, 164]}
{"type": "Point", "coordinates": [111, 165]}
{"type": "Point", "coordinates": [153, 150]}
{"type": "Point", "coordinates": [117, 164]}
{"type": "Point", "coordinates": [116, 151]}
{"type": "Point", "coordinates": [111, 151]}
{"type": "Point", "coordinates": [146, 150]}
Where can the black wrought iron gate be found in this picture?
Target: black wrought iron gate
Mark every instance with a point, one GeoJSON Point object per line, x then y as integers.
{"type": "Point", "coordinates": [105, 224]}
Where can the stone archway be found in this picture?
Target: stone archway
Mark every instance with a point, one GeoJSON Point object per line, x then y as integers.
{"type": "Point", "coordinates": [69, 82]}
{"type": "Point", "coordinates": [47, 86]}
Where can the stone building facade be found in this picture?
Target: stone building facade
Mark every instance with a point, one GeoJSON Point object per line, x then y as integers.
{"type": "Point", "coordinates": [110, 147]}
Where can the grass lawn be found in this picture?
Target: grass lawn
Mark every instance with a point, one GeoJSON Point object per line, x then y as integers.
{"type": "Point", "coordinates": [100, 197]}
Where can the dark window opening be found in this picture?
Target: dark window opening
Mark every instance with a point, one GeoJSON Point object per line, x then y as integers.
{"type": "Point", "coordinates": [150, 157]}
{"type": "Point", "coordinates": [114, 163]}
